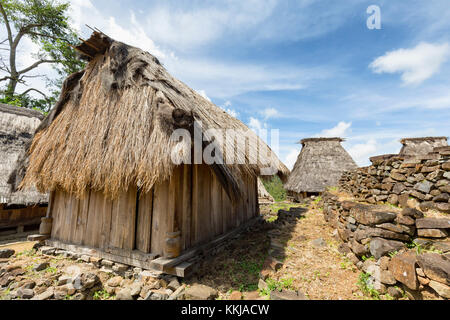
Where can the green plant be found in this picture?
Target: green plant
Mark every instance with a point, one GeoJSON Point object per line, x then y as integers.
{"type": "Point", "coordinates": [101, 295]}
{"type": "Point", "coordinates": [273, 285]}
{"type": "Point", "coordinates": [275, 188]}
{"type": "Point", "coordinates": [51, 270]}
{"type": "Point", "coordinates": [393, 254]}
{"type": "Point", "coordinates": [366, 287]}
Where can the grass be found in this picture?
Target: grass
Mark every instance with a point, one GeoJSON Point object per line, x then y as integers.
{"type": "Point", "coordinates": [273, 285]}
{"type": "Point", "coordinates": [366, 287]}
{"type": "Point", "coordinates": [102, 295]}
{"type": "Point", "coordinates": [420, 249]}
{"type": "Point", "coordinates": [275, 188]}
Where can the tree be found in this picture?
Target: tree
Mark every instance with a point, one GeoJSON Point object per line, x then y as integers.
{"type": "Point", "coordinates": [45, 22]}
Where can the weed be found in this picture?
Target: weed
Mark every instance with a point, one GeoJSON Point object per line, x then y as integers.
{"type": "Point", "coordinates": [366, 287]}
{"type": "Point", "coordinates": [101, 295]}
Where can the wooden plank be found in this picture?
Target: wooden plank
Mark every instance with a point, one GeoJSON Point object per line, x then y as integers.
{"type": "Point", "coordinates": [80, 226]}
{"type": "Point", "coordinates": [205, 227]}
{"type": "Point", "coordinates": [144, 222]}
{"type": "Point", "coordinates": [123, 222]}
{"type": "Point", "coordinates": [162, 263]}
{"type": "Point", "coordinates": [128, 257]}
{"type": "Point", "coordinates": [73, 211]}
{"type": "Point", "coordinates": [186, 204]}
{"type": "Point", "coordinates": [105, 228]}
{"type": "Point", "coordinates": [195, 204]}
{"type": "Point", "coordinates": [94, 219]}
{"type": "Point", "coordinates": [159, 220]}
{"type": "Point", "coordinates": [216, 206]}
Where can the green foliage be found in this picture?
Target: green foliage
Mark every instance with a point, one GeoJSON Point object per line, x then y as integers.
{"type": "Point", "coordinates": [366, 287]}
{"type": "Point", "coordinates": [273, 285]}
{"type": "Point", "coordinates": [101, 295]}
{"type": "Point", "coordinates": [46, 23]}
{"type": "Point", "coordinates": [275, 188]}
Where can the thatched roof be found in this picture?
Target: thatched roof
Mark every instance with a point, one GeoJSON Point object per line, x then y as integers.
{"type": "Point", "coordinates": [111, 127]}
{"type": "Point", "coordinates": [17, 126]}
{"type": "Point", "coordinates": [320, 164]}
{"type": "Point", "coordinates": [421, 146]}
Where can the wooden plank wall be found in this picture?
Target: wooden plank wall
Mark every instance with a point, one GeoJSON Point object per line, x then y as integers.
{"type": "Point", "coordinates": [22, 216]}
{"type": "Point", "coordinates": [193, 202]}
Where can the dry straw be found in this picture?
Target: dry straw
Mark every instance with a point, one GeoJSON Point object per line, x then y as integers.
{"type": "Point", "coordinates": [112, 125]}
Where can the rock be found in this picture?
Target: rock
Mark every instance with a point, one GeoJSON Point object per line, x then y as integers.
{"type": "Point", "coordinates": [393, 199]}
{"type": "Point", "coordinates": [423, 281]}
{"type": "Point", "coordinates": [432, 233]}
{"type": "Point", "coordinates": [408, 221]}
{"type": "Point", "coordinates": [412, 294]}
{"type": "Point", "coordinates": [272, 263]}
{"type": "Point", "coordinates": [397, 176]}
{"type": "Point", "coordinates": [443, 246]}
{"type": "Point", "coordinates": [403, 268]}
{"type": "Point", "coordinates": [380, 247]}
{"type": "Point", "coordinates": [48, 250]}
{"type": "Point", "coordinates": [417, 194]}
{"type": "Point", "coordinates": [85, 281]}
{"type": "Point", "coordinates": [319, 243]}
{"type": "Point", "coordinates": [364, 215]}
{"type": "Point", "coordinates": [443, 207]}
{"type": "Point", "coordinates": [435, 267]}
{"type": "Point", "coordinates": [161, 295]}
{"type": "Point", "coordinates": [41, 266]}
{"type": "Point", "coordinates": [174, 284]}
{"type": "Point", "coordinates": [352, 257]}
{"type": "Point", "coordinates": [124, 294]}
{"type": "Point", "coordinates": [427, 205]}
{"type": "Point", "coordinates": [361, 234]}
{"type": "Point", "coordinates": [118, 267]}
{"type": "Point", "coordinates": [386, 277]}
{"type": "Point", "coordinates": [391, 227]}
{"type": "Point", "coordinates": [114, 281]}
{"type": "Point", "coordinates": [446, 166]}
{"type": "Point", "coordinates": [359, 249]}
{"type": "Point", "coordinates": [442, 289]}
{"type": "Point", "coordinates": [235, 295]}
{"type": "Point", "coordinates": [28, 284]}
{"type": "Point", "coordinates": [443, 197]}
{"type": "Point", "coordinates": [177, 294]}
{"type": "Point", "coordinates": [64, 279]}
{"type": "Point", "coordinates": [6, 253]}
{"type": "Point", "coordinates": [200, 292]}
{"type": "Point", "coordinates": [262, 285]}
{"type": "Point", "coordinates": [107, 263]}
{"type": "Point", "coordinates": [424, 186]}
{"type": "Point", "coordinates": [343, 248]}
{"type": "Point", "coordinates": [47, 294]}
{"type": "Point", "coordinates": [286, 295]}
{"type": "Point", "coordinates": [383, 262]}
{"type": "Point", "coordinates": [96, 261]}
{"type": "Point", "coordinates": [413, 213]}
{"type": "Point", "coordinates": [25, 293]}
{"type": "Point", "coordinates": [433, 223]}
{"type": "Point", "coordinates": [403, 200]}
{"type": "Point", "coordinates": [135, 289]}
{"type": "Point", "coordinates": [85, 258]}
{"type": "Point", "coordinates": [394, 292]}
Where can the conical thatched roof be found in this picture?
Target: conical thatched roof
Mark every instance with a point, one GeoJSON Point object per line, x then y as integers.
{"type": "Point", "coordinates": [17, 126]}
{"type": "Point", "coordinates": [421, 146]}
{"type": "Point", "coordinates": [320, 164]}
{"type": "Point", "coordinates": [113, 123]}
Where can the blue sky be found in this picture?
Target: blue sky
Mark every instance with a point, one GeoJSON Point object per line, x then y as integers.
{"type": "Point", "coordinates": [308, 68]}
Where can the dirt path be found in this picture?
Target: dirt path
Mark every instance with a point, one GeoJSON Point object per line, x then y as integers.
{"type": "Point", "coordinates": [320, 271]}
{"type": "Point", "coordinates": [19, 247]}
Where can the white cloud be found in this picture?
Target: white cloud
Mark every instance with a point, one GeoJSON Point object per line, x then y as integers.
{"type": "Point", "coordinates": [340, 130]}
{"type": "Point", "coordinates": [416, 64]}
{"type": "Point", "coordinates": [291, 158]}
{"type": "Point", "coordinates": [269, 113]}
{"type": "Point", "coordinates": [361, 152]}
{"type": "Point", "coordinates": [203, 94]}
{"type": "Point", "coordinates": [256, 125]}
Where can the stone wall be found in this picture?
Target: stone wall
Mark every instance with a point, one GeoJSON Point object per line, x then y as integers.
{"type": "Point", "coordinates": [396, 179]}
{"type": "Point", "coordinates": [398, 248]}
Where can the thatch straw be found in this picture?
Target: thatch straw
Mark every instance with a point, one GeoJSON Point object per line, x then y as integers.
{"type": "Point", "coordinates": [17, 126]}
{"type": "Point", "coordinates": [421, 146]}
{"type": "Point", "coordinates": [112, 125]}
{"type": "Point", "coordinates": [320, 164]}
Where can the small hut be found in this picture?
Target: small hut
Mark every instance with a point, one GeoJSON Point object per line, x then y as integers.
{"type": "Point", "coordinates": [421, 146]}
{"type": "Point", "coordinates": [320, 164]}
{"type": "Point", "coordinates": [121, 186]}
{"type": "Point", "coordinates": [19, 210]}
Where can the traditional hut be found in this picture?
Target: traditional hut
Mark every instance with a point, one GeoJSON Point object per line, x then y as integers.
{"type": "Point", "coordinates": [320, 164]}
{"type": "Point", "coordinates": [421, 146]}
{"type": "Point", "coordinates": [263, 195]}
{"type": "Point", "coordinates": [19, 210]}
{"type": "Point", "coordinates": [121, 185]}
